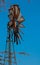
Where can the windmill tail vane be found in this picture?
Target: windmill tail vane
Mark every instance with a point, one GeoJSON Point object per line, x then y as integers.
{"type": "Point", "coordinates": [15, 22]}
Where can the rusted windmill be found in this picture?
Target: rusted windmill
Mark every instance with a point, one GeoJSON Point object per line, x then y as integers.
{"type": "Point", "coordinates": [15, 22]}
{"type": "Point", "coordinates": [13, 35]}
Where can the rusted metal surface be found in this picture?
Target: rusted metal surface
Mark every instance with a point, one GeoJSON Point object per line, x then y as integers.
{"type": "Point", "coordinates": [15, 22]}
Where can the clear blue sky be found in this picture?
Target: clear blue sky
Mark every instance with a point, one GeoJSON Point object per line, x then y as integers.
{"type": "Point", "coordinates": [31, 43]}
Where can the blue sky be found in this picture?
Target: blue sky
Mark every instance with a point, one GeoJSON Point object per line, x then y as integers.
{"type": "Point", "coordinates": [31, 43]}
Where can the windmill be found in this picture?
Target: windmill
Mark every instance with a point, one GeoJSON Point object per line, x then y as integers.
{"type": "Point", "coordinates": [13, 35]}
{"type": "Point", "coordinates": [15, 22]}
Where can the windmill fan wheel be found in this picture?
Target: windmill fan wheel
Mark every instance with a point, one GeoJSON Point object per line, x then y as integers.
{"type": "Point", "coordinates": [15, 21]}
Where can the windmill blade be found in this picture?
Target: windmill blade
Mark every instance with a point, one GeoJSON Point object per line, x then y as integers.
{"type": "Point", "coordinates": [20, 36]}
{"type": "Point", "coordinates": [17, 11]}
{"type": "Point", "coordinates": [11, 11]}
{"type": "Point", "coordinates": [19, 17]}
{"type": "Point", "coordinates": [21, 26]}
{"type": "Point", "coordinates": [21, 31]}
{"type": "Point", "coordinates": [10, 16]}
{"type": "Point", "coordinates": [10, 23]}
{"type": "Point", "coordinates": [20, 20]}
{"type": "Point", "coordinates": [19, 41]}
{"type": "Point", "coordinates": [17, 38]}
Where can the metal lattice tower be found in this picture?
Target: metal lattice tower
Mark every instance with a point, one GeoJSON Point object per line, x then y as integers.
{"type": "Point", "coordinates": [10, 57]}
{"type": "Point", "coordinates": [13, 35]}
{"type": "Point", "coordinates": [13, 29]}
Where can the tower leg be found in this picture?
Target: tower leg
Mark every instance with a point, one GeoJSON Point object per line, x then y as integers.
{"type": "Point", "coordinates": [10, 56]}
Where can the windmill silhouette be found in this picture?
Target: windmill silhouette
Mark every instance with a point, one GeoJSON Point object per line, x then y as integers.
{"type": "Point", "coordinates": [13, 35]}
